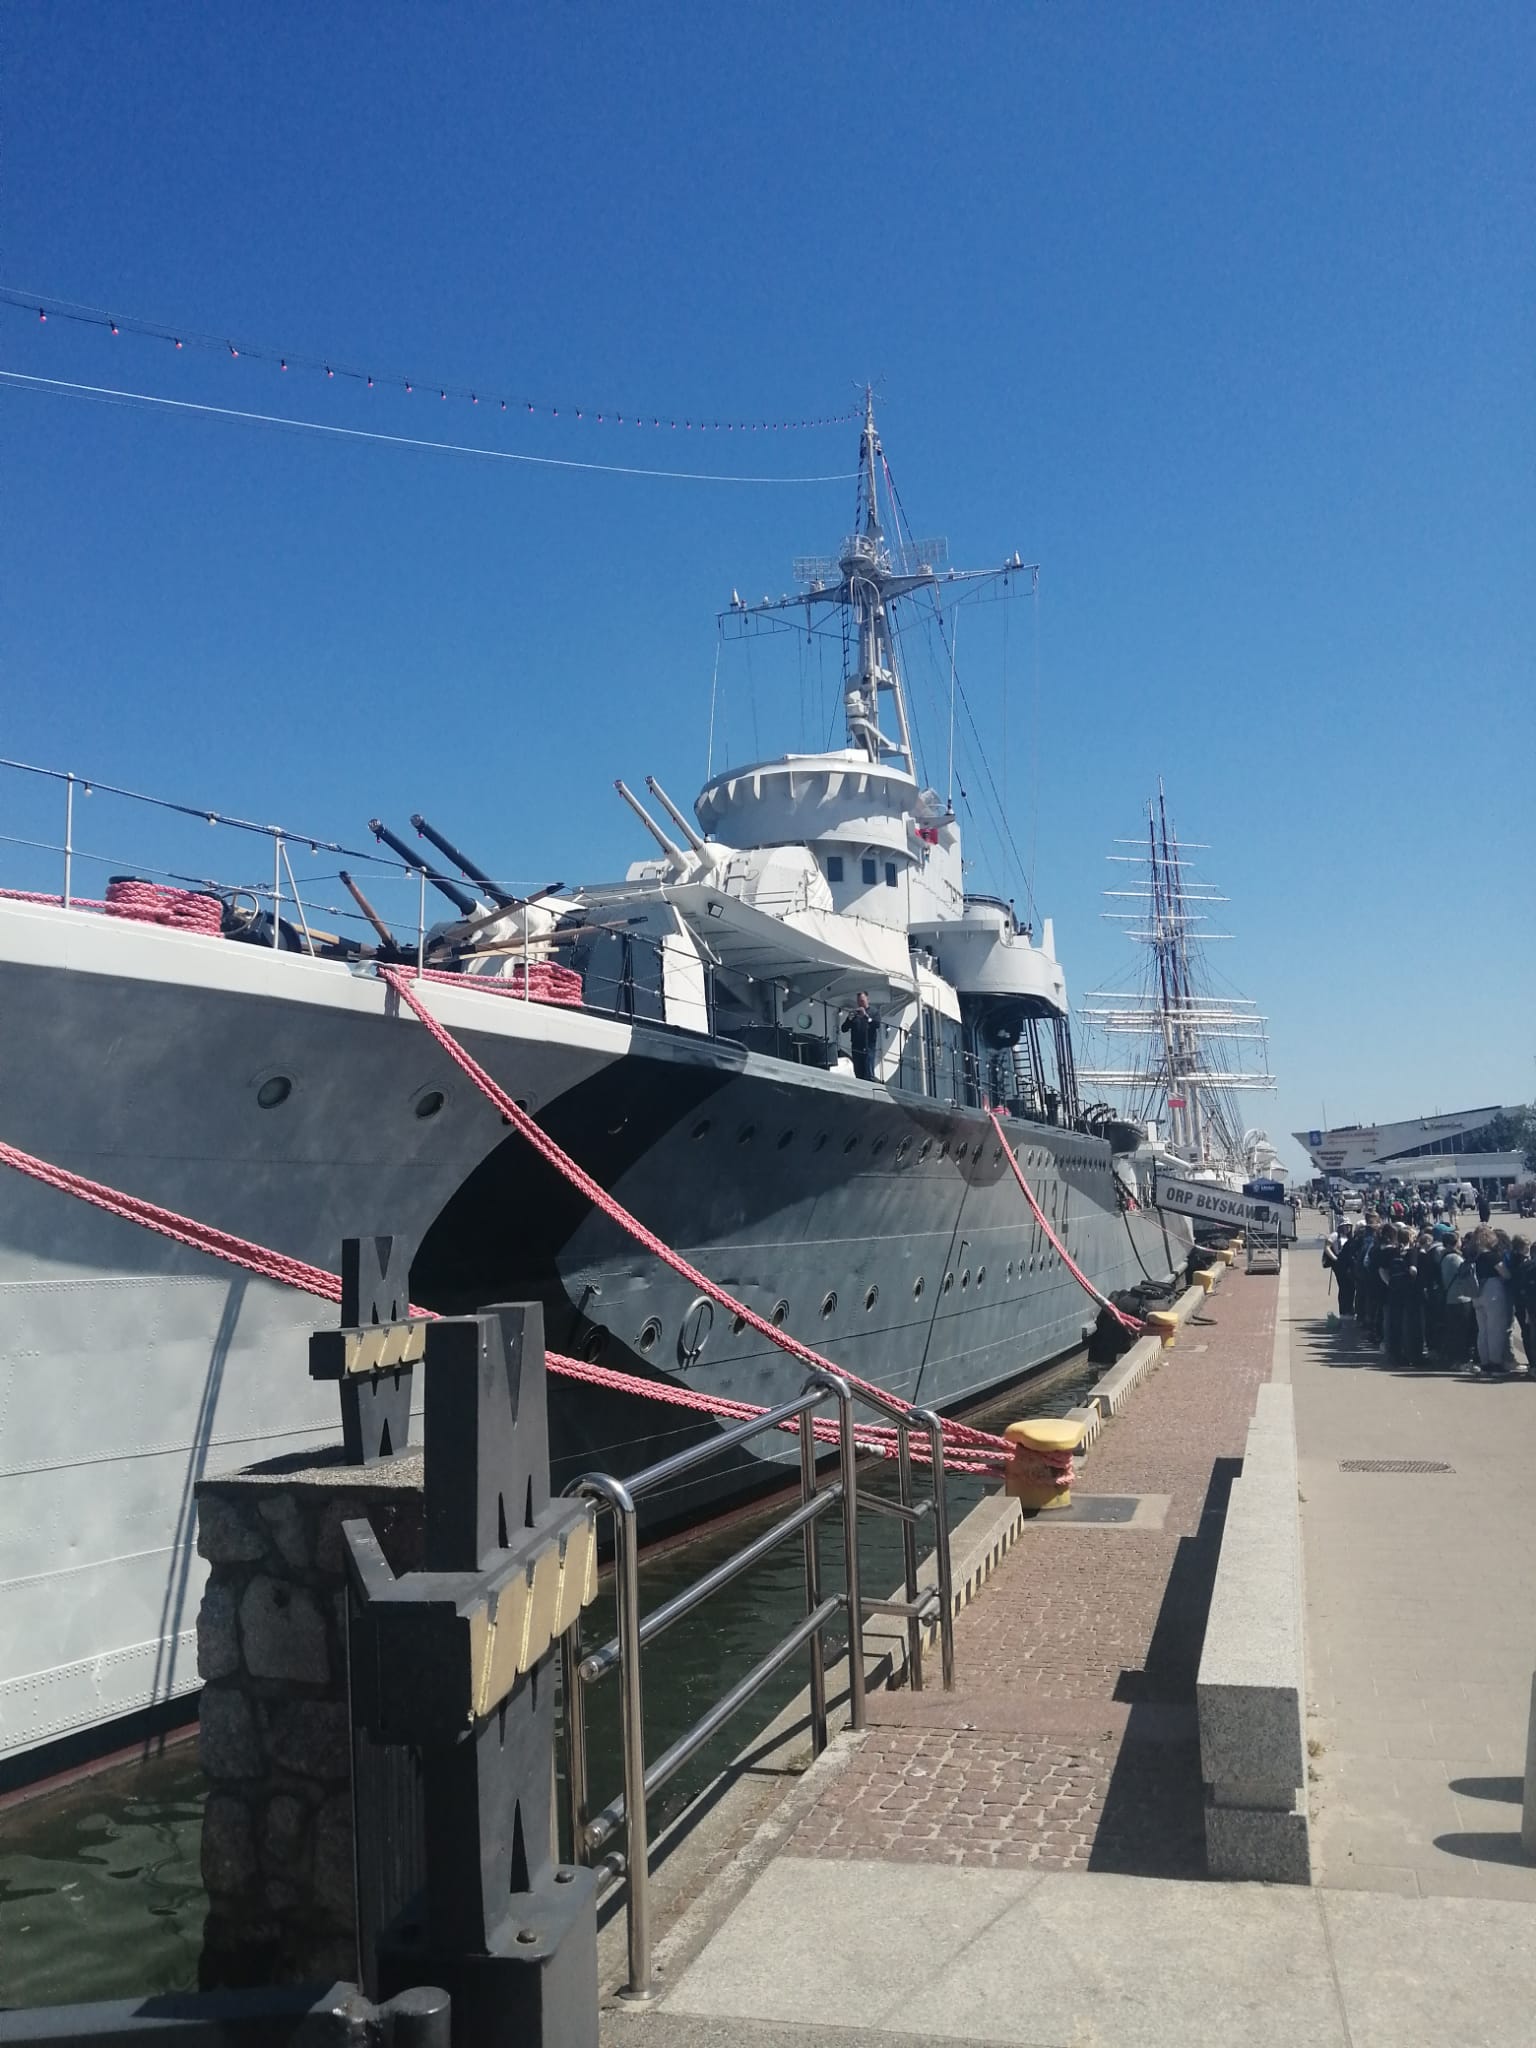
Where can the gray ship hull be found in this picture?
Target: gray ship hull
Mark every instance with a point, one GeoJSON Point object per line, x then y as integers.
{"type": "Point", "coordinates": [130, 1367]}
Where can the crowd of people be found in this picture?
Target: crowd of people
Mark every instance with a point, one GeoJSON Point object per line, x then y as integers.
{"type": "Point", "coordinates": [1418, 1290]}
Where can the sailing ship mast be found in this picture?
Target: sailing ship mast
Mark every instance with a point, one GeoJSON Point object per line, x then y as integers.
{"type": "Point", "coordinates": [1184, 1072]}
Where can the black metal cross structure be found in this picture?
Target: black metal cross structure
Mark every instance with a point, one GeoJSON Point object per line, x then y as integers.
{"type": "Point", "coordinates": [457, 1662]}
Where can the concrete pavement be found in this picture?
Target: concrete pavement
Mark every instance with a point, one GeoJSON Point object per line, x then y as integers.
{"type": "Point", "coordinates": [1421, 1610]}
{"type": "Point", "coordinates": [1018, 1861]}
{"type": "Point", "coordinates": [901, 1952]}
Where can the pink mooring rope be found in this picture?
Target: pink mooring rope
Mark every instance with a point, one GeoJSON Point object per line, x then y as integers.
{"type": "Point", "coordinates": [298, 1273]}
{"type": "Point", "coordinates": [1126, 1322]}
{"type": "Point", "coordinates": [960, 1433]}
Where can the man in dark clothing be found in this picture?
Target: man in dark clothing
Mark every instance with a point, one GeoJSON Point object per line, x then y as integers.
{"type": "Point", "coordinates": [1346, 1270]}
{"type": "Point", "coordinates": [1405, 1305]}
{"type": "Point", "coordinates": [1432, 1290]}
{"type": "Point", "coordinates": [863, 1029]}
{"type": "Point", "coordinates": [1483, 1209]}
{"type": "Point", "coordinates": [1370, 1293]}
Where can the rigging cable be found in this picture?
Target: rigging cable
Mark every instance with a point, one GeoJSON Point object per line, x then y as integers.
{"type": "Point", "coordinates": [986, 769]}
{"type": "Point", "coordinates": [103, 393]}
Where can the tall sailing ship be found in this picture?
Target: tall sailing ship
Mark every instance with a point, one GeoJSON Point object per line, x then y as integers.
{"type": "Point", "coordinates": [679, 1032]}
{"type": "Point", "coordinates": [1191, 1052]}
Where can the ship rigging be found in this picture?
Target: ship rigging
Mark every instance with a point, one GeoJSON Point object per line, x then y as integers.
{"type": "Point", "coordinates": [1192, 1051]}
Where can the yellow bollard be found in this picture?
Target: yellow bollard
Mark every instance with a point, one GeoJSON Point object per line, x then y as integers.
{"type": "Point", "coordinates": [1041, 1473]}
{"type": "Point", "coordinates": [1227, 1255]}
{"type": "Point", "coordinates": [1206, 1278]}
{"type": "Point", "coordinates": [1165, 1323]}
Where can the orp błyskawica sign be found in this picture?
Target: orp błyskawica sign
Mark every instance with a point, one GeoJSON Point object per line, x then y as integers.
{"type": "Point", "coordinates": [1207, 1203]}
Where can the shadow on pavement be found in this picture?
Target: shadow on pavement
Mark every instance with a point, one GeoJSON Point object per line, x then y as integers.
{"type": "Point", "coordinates": [1338, 1344]}
{"type": "Point", "coordinates": [1490, 1848]}
{"type": "Point", "coordinates": [1508, 1791]}
{"type": "Point", "coordinates": [1153, 1822]}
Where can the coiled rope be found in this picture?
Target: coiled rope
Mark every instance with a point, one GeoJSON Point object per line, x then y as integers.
{"type": "Point", "coordinates": [186, 910]}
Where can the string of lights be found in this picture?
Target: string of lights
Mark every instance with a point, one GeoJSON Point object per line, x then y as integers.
{"type": "Point", "coordinates": [108, 394]}
{"type": "Point", "coordinates": [43, 310]}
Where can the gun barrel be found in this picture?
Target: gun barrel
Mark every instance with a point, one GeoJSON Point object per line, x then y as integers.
{"type": "Point", "coordinates": [465, 866]}
{"type": "Point", "coordinates": [461, 900]}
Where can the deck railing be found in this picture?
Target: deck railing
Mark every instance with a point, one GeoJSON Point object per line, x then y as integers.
{"type": "Point", "coordinates": [624, 1653]}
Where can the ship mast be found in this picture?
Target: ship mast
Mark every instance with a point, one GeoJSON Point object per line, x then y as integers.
{"type": "Point", "coordinates": [1191, 1038]}
{"type": "Point", "coordinates": [871, 572]}
{"type": "Point", "coordinates": [866, 567]}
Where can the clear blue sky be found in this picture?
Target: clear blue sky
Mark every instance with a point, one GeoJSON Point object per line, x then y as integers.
{"type": "Point", "coordinates": [1222, 315]}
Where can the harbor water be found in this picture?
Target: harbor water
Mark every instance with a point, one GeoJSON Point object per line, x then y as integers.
{"type": "Point", "coordinates": [100, 1890]}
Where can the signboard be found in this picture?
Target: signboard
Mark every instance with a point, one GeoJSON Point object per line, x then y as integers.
{"type": "Point", "coordinates": [1207, 1203]}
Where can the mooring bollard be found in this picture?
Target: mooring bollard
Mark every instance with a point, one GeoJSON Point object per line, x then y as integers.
{"type": "Point", "coordinates": [1041, 1472]}
{"type": "Point", "coordinates": [456, 1662]}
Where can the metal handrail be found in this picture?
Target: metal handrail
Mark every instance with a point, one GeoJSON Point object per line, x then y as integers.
{"type": "Point", "coordinates": [591, 1832]}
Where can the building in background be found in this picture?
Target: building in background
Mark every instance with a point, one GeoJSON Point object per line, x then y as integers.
{"type": "Point", "coordinates": [1466, 1144]}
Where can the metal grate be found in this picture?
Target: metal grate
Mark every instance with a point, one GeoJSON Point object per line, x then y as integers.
{"type": "Point", "coordinates": [1393, 1465]}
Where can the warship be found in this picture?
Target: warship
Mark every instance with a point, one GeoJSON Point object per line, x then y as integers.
{"type": "Point", "coordinates": [684, 1033]}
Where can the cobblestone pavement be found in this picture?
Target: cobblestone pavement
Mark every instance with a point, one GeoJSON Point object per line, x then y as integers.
{"type": "Point", "coordinates": [1070, 1740]}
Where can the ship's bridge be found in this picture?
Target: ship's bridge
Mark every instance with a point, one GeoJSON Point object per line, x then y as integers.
{"type": "Point", "coordinates": [987, 955]}
{"type": "Point", "coordinates": [886, 846]}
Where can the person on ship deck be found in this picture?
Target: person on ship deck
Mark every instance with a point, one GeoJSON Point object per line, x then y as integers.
{"type": "Point", "coordinates": [863, 1029]}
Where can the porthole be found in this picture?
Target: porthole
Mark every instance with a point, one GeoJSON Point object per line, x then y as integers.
{"type": "Point", "coordinates": [981, 1274]}
{"type": "Point", "coordinates": [700, 1129]}
{"type": "Point", "coordinates": [274, 1091]}
{"type": "Point", "coordinates": [614, 1129]}
{"type": "Point", "coordinates": [925, 1148]}
{"type": "Point", "coordinates": [829, 1303]}
{"type": "Point", "coordinates": [850, 1142]}
{"type": "Point", "coordinates": [780, 1311]}
{"type": "Point", "coordinates": [786, 1139]}
{"type": "Point", "coordinates": [738, 1324]}
{"type": "Point", "coordinates": [949, 1281]}
{"type": "Point", "coordinates": [746, 1134]}
{"type": "Point", "coordinates": [997, 1155]}
{"type": "Point", "coordinates": [650, 1335]}
{"type": "Point", "coordinates": [903, 1149]}
{"type": "Point", "coordinates": [944, 1149]}
{"type": "Point", "coordinates": [818, 1143]}
{"type": "Point", "coordinates": [917, 1287]}
{"type": "Point", "coordinates": [428, 1103]}
{"type": "Point", "coordinates": [594, 1343]}
{"type": "Point", "coordinates": [872, 1295]}
{"type": "Point", "coordinates": [965, 1279]}
{"type": "Point", "coordinates": [877, 1148]}
{"type": "Point", "coordinates": [960, 1152]}
{"type": "Point", "coordinates": [1009, 1274]}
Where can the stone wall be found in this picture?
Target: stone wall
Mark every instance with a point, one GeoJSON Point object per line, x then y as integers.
{"type": "Point", "coordinates": [274, 1737]}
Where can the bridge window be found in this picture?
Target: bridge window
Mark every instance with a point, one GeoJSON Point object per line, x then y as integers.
{"type": "Point", "coordinates": [890, 874]}
{"type": "Point", "coordinates": [871, 872]}
{"type": "Point", "coordinates": [834, 867]}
